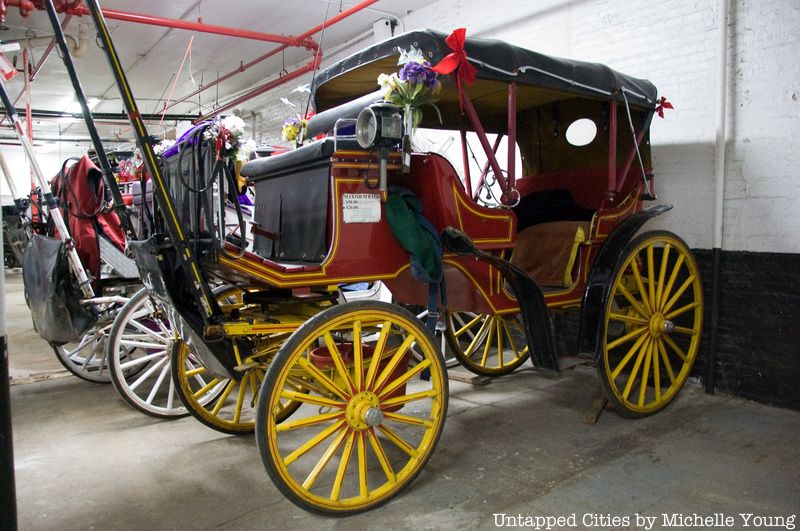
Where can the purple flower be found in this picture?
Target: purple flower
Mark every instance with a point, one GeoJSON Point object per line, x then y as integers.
{"type": "Point", "coordinates": [413, 72]}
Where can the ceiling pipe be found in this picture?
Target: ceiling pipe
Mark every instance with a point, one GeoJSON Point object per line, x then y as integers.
{"type": "Point", "coordinates": [314, 63]}
{"type": "Point", "coordinates": [77, 9]}
{"type": "Point", "coordinates": [42, 59]}
{"type": "Point", "coordinates": [14, 141]}
{"type": "Point", "coordinates": [316, 29]}
{"type": "Point", "coordinates": [77, 47]}
{"type": "Point", "coordinates": [45, 114]}
{"type": "Point", "coordinates": [25, 8]}
{"type": "Point", "coordinates": [206, 28]}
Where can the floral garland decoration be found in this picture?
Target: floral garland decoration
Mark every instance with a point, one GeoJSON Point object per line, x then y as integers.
{"type": "Point", "coordinates": [163, 146]}
{"type": "Point", "coordinates": [413, 86]}
{"type": "Point", "coordinates": [228, 133]}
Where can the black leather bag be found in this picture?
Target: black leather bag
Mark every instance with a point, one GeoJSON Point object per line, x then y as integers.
{"type": "Point", "coordinates": [51, 293]}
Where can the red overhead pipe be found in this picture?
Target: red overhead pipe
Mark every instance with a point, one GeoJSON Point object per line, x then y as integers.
{"type": "Point", "coordinates": [344, 14]}
{"type": "Point", "coordinates": [25, 7]}
{"type": "Point", "coordinates": [206, 28]}
{"type": "Point", "coordinates": [265, 87]}
{"type": "Point", "coordinates": [77, 9]}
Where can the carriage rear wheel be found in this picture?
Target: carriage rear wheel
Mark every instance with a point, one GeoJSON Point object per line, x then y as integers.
{"type": "Point", "coordinates": [86, 357]}
{"type": "Point", "coordinates": [488, 345]}
{"type": "Point", "coordinates": [652, 324]}
{"type": "Point", "coordinates": [226, 404]}
{"type": "Point", "coordinates": [369, 418]}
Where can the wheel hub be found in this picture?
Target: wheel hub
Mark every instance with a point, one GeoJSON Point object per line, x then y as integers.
{"type": "Point", "coordinates": [659, 325]}
{"type": "Point", "coordinates": [363, 411]}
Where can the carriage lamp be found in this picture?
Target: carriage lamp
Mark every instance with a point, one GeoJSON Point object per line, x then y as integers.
{"type": "Point", "coordinates": [379, 126]}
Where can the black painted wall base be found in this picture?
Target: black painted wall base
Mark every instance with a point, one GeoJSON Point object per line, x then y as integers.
{"type": "Point", "coordinates": [758, 343]}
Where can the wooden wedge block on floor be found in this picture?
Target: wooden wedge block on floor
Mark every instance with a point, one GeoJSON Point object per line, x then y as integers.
{"type": "Point", "coordinates": [462, 375]}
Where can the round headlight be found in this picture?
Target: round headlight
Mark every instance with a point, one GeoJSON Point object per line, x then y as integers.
{"type": "Point", "coordinates": [366, 128]}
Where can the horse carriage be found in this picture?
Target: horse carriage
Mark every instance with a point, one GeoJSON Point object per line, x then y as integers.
{"type": "Point", "coordinates": [348, 399]}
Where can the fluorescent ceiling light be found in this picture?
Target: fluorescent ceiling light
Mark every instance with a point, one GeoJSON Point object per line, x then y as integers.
{"type": "Point", "coordinates": [75, 107]}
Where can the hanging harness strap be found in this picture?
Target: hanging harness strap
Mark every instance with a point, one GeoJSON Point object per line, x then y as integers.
{"type": "Point", "coordinates": [415, 233]}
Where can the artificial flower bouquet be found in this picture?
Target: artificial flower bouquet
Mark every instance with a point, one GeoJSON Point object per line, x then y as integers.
{"type": "Point", "coordinates": [414, 85]}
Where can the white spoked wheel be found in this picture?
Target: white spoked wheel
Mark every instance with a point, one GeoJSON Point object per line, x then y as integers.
{"type": "Point", "coordinates": [86, 357]}
{"type": "Point", "coordinates": [138, 351]}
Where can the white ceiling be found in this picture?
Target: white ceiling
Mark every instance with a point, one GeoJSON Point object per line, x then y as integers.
{"type": "Point", "coordinates": [152, 54]}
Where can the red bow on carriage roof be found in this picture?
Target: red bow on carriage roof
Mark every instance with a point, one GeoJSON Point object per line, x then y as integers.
{"type": "Point", "coordinates": [457, 59]}
{"type": "Point", "coordinates": [661, 105]}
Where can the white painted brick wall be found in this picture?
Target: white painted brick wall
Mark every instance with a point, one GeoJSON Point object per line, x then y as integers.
{"type": "Point", "coordinates": [673, 44]}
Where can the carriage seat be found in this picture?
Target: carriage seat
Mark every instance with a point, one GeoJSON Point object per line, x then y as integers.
{"type": "Point", "coordinates": [291, 162]}
{"type": "Point", "coordinates": [547, 251]}
{"type": "Point", "coordinates": [551, 226]}
{"type": "Point", "coordinates": [291, 203]}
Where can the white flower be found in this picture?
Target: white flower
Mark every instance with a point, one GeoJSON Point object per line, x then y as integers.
{"type": "Point", "coordinates": [245, 148]}
{"type": "Point", "coordinates": [162, 146]}
{"type": "Point", "coordinates": [388, 84]}
{"type": "Point", "coordinates": [412, 54]}
{"type": "Point", "coordinates": [234, 124]}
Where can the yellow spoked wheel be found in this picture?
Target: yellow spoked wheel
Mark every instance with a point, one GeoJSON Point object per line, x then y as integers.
{"type": "Point", "coordinates": [489, 345]}
{"type": "Point", "coordinates": [368, 419]}
{"type": "Point", "coordinates": [652, 327]}
{"type": "Point", "coordinates": [222, 403]}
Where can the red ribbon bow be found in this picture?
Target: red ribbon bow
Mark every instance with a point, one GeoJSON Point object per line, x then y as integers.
{"type": "Point", "coordinates": [661, 105]}
{"type": "Point", "coordinates": [457, 59]}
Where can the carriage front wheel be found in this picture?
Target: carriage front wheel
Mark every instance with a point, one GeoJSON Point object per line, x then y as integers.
{"type": "Point", "coordinates": [486, 344]}
{"type": "Point", "coordinates": [372, 389]}
{"type": "Point", "coordinates": [652, 324]}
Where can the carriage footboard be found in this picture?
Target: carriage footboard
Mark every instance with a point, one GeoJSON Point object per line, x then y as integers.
{"type": "Point", "coordinates": [165, 278]}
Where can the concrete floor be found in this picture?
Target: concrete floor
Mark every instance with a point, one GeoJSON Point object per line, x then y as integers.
{"type": "Point", "coordinates": [85, 460]}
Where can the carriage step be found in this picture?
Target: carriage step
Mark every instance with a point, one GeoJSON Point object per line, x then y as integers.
{"type": "Point", "coordinates": [116, 259]}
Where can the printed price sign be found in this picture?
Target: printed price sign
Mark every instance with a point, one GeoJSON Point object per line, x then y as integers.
{"type": "Point", "coordinates": [361, 208]}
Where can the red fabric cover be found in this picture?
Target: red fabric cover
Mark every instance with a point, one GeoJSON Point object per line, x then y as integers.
{"type": "Point", "coordinates": [84, 195]}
